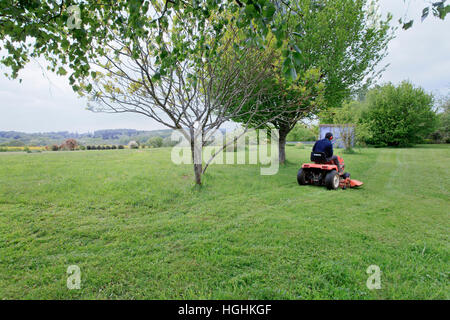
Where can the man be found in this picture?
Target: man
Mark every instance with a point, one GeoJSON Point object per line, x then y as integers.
{"type": "Point", "coordinates": [326, 147]}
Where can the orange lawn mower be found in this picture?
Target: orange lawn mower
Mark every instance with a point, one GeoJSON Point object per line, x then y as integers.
{"type": "Point", "coordinates": [324, 172]}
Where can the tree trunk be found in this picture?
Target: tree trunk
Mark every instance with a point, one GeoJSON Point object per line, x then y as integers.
{"type": "Point", "coordinates": [198, 173]}
{"type": "Point", "coordinates": [283, 132]}
{"type": "Point", "coordinates": [197, 167]}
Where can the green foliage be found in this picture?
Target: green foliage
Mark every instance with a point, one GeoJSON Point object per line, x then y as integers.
{"type": "Point", "coordinates": [301, 133]}
{"type": "Point", "coordinates": [442, 133]}
{"type": "Point", "coordinates": [49, 27]}
{"type": "Point", "coordinates": [344, 39]}
{"type": "Point", "coordinates": [399, 116]}
{"type": "Point", "coordinates": [107, 137]}
{"type": "Point", "coordinates": [334, 50]}
{"type": "Point", "coordinates": [14, 143]}
{"type": "Point", "coordinates": [155, 142]}
{"type": "Point", "coordinates": [65, 38]}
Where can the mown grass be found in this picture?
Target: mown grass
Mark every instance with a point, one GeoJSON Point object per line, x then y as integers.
{"type": "Point", "coordinates": [138, 229]}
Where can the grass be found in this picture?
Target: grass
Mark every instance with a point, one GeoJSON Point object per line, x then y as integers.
{"type": "Point", "coordinates": [138, 229]}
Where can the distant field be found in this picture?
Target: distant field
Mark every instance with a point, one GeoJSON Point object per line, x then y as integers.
{"type": "Point", "coordinates": [138, 229]}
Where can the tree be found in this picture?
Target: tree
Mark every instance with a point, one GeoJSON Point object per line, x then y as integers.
{"type": "Point", "coordinates": [64, 32]}
{"type": "Point", "coordinates": [335, 48]}
{"type": "Point", "coordinates": [69, 144]}
{"type": "Point", "coordinates": [195, 94]}
{"type": "Point", "coordinates": [133, 145]}
{"type": "Point", "coordinates": [155, 142]}
{"type": "Point", "coordinates": [442, 134]}
{"type": "Point", "coordinates": [399, 116]}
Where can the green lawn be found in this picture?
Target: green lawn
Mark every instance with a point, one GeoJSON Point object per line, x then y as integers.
{"type": "Point", "coordinates": [134, 224]}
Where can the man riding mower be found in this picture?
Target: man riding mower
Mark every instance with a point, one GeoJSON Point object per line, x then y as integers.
{"type": "Point", "coordinates": [327, 169]}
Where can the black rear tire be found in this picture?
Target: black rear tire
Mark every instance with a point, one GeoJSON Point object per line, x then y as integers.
{"type": "Point", "coordinates": [332, 180]}
{"type": "Point", "coordinates": [301, 178]}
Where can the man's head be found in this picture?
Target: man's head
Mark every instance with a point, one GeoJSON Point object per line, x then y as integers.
{"type": "Point", "coordinates": [329, 136]}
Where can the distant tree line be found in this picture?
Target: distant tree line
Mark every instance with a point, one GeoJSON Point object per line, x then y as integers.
{"type": "Point", "coordinates": [100, 137]}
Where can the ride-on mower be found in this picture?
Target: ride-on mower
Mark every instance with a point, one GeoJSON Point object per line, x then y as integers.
{"type": "Point", "coordinates": [325, 173]}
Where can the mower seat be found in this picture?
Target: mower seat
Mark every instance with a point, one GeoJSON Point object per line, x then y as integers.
{"type": "Point", "coordinates": [319, 157]}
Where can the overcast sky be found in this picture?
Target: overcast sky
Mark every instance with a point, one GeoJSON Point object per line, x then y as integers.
{"type": "Point", "coordinates": [45, 102]}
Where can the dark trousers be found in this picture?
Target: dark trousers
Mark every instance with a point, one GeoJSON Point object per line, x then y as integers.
{"type": "Point", "coordinates": [335, 161]}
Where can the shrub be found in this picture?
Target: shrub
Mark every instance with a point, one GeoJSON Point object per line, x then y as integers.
{"type": "Point", "coordinates": [155, 142]}
{"type": "Point", "coordinates": [442, 133]}
{"type": "Point", "coordinates": [27, 150]}
{"type": "Point", "coordinates": [2, 149]}
{"type": "Point", "coordinates": [108, 147]}
{"type": "Point", "coordinates": [99, 147]}
{"type": "Point", "coordinates": [69, 144]}
{"type": "Point", "coordinates": [88, 147]}
{"type": "Point", "coordinates": [399, 116]}
{"type": "Point", "coordinates": [167, 142]}
{"type": "Point", "coordinates": [114, 147]}
{"type": "Point", "coordinates": [54, 147]}
{"type": "Point", "coordinates": [349, 151]}
{"type": "Point", "coordinates": [82, 148]}
{"type": "Point", "coordinates": [121, 147]}
{"type": "Point", "coordinates": [133, 145]}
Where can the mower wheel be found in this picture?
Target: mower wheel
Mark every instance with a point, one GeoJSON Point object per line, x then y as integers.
{"type": "Point", "coordinates": [301, 179]}
{"type": "Point", "coordinates": [332, 180]}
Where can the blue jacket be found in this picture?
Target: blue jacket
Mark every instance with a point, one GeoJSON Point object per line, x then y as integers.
{"type": "Point", "coordinates": [324, 145]}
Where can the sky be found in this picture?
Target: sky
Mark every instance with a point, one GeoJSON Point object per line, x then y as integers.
{"type": "Point", "coordinates": [45, 102]}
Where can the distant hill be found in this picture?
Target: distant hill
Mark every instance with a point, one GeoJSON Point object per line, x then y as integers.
{"type": "Point", "coordinates": [99, 137]}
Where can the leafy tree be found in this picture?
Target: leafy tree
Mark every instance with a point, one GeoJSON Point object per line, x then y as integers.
{"type": "Point", "coordinates": [64, 32]}
{"type": "Point", "coordinates": [399, 116]}
{"type": "Point", "coordinates": [335, 48]}
{"type": "Point", "coordinates": [69, 144]}
{"type": "Point", "coordinates": [155, 142]}
{"type": "Point", "coordinates": [442, 134]}
{"type": "Point", "coordinates": [196, 94]}
{"type": "Point", "coordinates": [69, 33]}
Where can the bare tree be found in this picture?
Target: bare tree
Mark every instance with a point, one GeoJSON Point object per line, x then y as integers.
{"type": "Point", "coordinates": [197, 95]}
